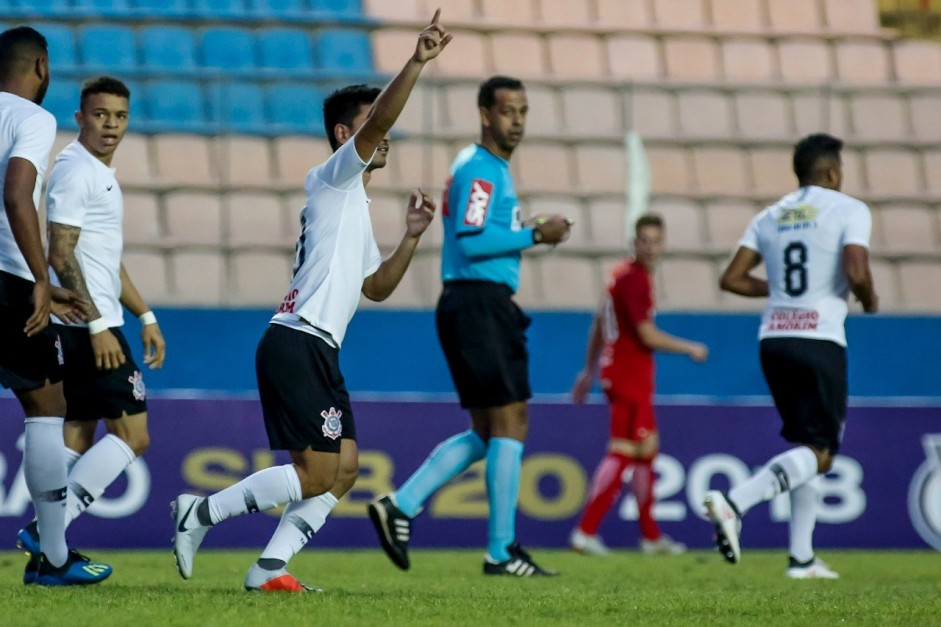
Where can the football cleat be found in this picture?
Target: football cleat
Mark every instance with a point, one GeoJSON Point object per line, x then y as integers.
{"type": "Point", "coordinates": [393, 528]}
{"type": "Point", "coordinates": [260, 580]}
{"type": "Point", "coordinates": [814, 568]}
{"type": "Point", "coordinates": [727, 523]}
{"type": "Point", "coordinates": [520, 564]}
{"type": "Point", "coordinates": [32, 569]}
{"type": "Point", "coordinates": [27, 539]}
{"type": "Point", "coordinates": [78, 570]}
{"type": "Point", "coordinates": [189, 532]}
{"type": "Point", "coordinates": [665, 545]}
{"type": "Point", "coordinates": [586, 544]}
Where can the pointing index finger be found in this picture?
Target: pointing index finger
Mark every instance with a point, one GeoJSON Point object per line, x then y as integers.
{"type": "Point", "coordinates": [434, 20]}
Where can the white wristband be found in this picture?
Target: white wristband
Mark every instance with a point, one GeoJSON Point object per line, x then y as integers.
{"type": "Point", "coordinates": [147, 317]}
{"type": "Point", "coordinates": [97, 326]}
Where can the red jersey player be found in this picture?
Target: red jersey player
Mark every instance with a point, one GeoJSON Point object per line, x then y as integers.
{"type": "Point", "coordinates": [621, 344]}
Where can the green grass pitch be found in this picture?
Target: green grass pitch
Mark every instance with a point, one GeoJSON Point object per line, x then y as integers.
{"type": "Point", "coordinates": [446, 588]}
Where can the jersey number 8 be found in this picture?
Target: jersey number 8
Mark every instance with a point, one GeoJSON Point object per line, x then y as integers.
{"type": "Point", "coordinates": [795, 269]}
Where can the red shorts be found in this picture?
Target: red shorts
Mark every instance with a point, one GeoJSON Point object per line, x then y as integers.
{"type": "Point", "coordinates": [632, 419]}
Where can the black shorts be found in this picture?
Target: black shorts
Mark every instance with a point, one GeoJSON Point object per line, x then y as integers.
{"type": "Point", "coordinates": [92, 393]}
{"type": "Point", "coordinates": [26, 363]}
{"type": "Point", "coordinates": [303, 395]}
{"type": "Point", "coordinates": [808, 382]}
{"type": "Point", "coordinates": [483, 334]}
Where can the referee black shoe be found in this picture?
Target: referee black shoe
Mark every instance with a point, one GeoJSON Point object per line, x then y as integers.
{"type": "Point", "coordinates": [393, 528]}
{"type": "Point", "coordinates": [520, 564]}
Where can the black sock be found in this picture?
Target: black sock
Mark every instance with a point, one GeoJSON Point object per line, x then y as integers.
{"type": "Point", "coordinates": [269, 563]}
{"type": "Point", "coordinates": [202, 513]}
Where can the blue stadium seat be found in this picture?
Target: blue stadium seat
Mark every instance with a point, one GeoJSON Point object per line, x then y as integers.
{"type": "Point", "coordinates": [157, 8]}
{"type": "Point", "coordinates": [230, 49]}
{"type": "Point", "coordinates": [237, 107]}
{"type": "Point", "coordinates": [168, 48]}
{"type": "Point", "coordinates": [174, 105]}
{"type": "Point", "coordinates": [344, 50]}
{"type": "Point", "coordinates": [61, 44]}
{"type": "Point", "coordinates": [284, 49]}
{"type": "Point", "coordinates": [351, 8]}
{"type": "Point", "coordinates": [277, 8]}
{"type": "Point", "coordinates": [295, 109]}
{"type": "Point", "coordinates": [101, 7]}
{"type": "Point", "coordinates": [62, 101]}
{"type": "Point", "coordinates": [109, 48]}
{"type": "Point", "coordinates": [52, 8]}
{"type": "Point", "coordinates": [218, 8]}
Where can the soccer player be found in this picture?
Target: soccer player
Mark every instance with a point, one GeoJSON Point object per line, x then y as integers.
{"type": "Point", "coordinates": [30, 352]}
{"type": "Point", "coordinates": [85, 213]}
{"type": "Point", "coordinates": [815, 246]}
{"type": "Point", "coordinates": [621, 344]}
{"type": "Point", "coordinates": [306, 406]}
{"type": "Point", "coordinates": [483, 334]}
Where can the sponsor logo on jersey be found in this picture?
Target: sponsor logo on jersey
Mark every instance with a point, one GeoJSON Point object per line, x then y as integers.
{"type": "Point", "coordinates": [137, 386]}
{"type": "Point", "coordinates": [478, 203]}
{"type": "Point", "coordinates": [924, 493]}
{"type": "Point", "coordinates": [793, 320]}
{"type": "Point", "coordinates": [287, 305]}
{"type": "Point", "coordinates": [800, 213]}
{"type": "Point", "coordinates": [332, 427]}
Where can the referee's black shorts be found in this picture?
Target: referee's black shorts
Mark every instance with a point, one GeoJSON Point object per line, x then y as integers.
{"type": "Point", "coordinates": [808, 382]}
{"type": "Point", "coordinates": [483, 334]}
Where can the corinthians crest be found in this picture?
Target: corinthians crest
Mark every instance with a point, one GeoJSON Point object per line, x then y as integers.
{"type": "Point", "coordinates": [332, 427]}
{"type": "Point", "coordinates": [924, 493]}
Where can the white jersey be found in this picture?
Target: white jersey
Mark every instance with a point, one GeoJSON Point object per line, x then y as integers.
{"type": "Point", "coordinates": [335, 252]}
{"type": "Point", "coordinates": [801, 238]}
{"type": "Point", "coordinates": [83, 193]}
{"type": "Point", "coordinates": [27, 131]}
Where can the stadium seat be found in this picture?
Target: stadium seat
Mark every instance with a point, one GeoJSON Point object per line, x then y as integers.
{"type": "Point", "coordinates": [795, 16]}
{"type": "Point", "coordinates": [687, 284]}
{"type": "Point", "coordinates": [259, 279]}
{"type": "Point", "coordinates": [885, 278]}
{"type": "Point", "coordinates": [203, 287]}
{"type": "Point", "coordinates": [219, 9]}
{"type": "Point", "coordinates": [633, 57]}
{"type": "Point", "coordinates": [467, 56]}
{"type": "Point", "coordinates": [277, 9]}
{"type": "Point", "coordinates": [816, 112]}
{"type": "Point", "coordinates": [852, 16]}
{"type": "Point", "coordinates": [909, 228]}
{"type": "Point", "coordinates": [569, 282]}
{"type": "Point", "coordinates": [517, 54]}
{"type": "Point", "coordinates": [652, 112]}
{"type": "Point", "coordinates": [388, 222]}
{"type": "Point", "coordinates": [295, 156]}
{"type": "Point", "coordinates": [175, 105]}
{"type": "Point", "coordinates": [607, 224]}
{"type": "Point", "coordinates": [227, 48]}
{"type": "Point", "coordinates": [295, 108]}
{"type": "Point", "coordinates": [915, 277]}
{"type": "Point", "coordinates": [46, 8]}
{"type": "Point", "coordinates": [148, 271]}
{"type": "Point", "coordinates": [591, 112]}
{"type": "Point", "coordinates": [601, 168]}
{"type": "Point", "coordinates": [61, 44]}
{"type": "Point", "coordinates": [461, 114]}
{"type": "Point", "coordinates": [683, 15]}
{"type": "Point", "coordinates": [62, 101]}
{"type": "Point", "coordinates": [893, 172]}
{"type": "Point", "coordinates": [917, 62]}
{"type": "Point", "coordinates": [772, 175]}
{"type": "Point", "coordinates": [101, 8]}
{"type": "Point", "coordinates": [624, 15]}
{"type": "Point", "coordinates": [418, 289]}
{"type": "Point", "coordinates": [168, 48]}
{"type": "Point", "coordinates": [805, 60]}
{"type": "Point", "coordinates": [879, 117]}
{"type": "Point", "coordinates": [691, 58]}
{"type": "Point", "coordinates": [244, 161]}
{"type": "Point", "coordinates": [193, 219]}
{"type": "Point", "coordinates": [414, 163]}
{"type": "Point", "coordinates": [543, 167]}
{"type": "Point", "coordinates": [726, 222]}
{"type": "Point", "coordinates": [141, 218]}
{"type": "Point", "coordinates": [683, 220]}
{"type": "Point", "coordinates": [926, 123]}
{"type": "Point", "coordinates": [390, 47]}
{"type": "Point", "coordinates": [257, 219]}
{"type": "Point", "coordinates": [564, 13]}
{"type": "Point", "coordinates": [108, 48]}
{"type": "Point", "coordinates": [237, 107]}
{"type": "Point", "coordinates": [285, 49]}
{"type": "Point", "coordinates": [671, 170]}
{"type": "Point", "coordinates": [704, 114]}
{"type": "Point", "coordinates": [720, 171]}
{"type": "Point", "coordinates": [740, 16]}
{"type": "Point", "coordinates": [748, 60]}
{"type": "Point", "coordinates": [853, 174]}
{"type": "Point", "coordinates": [574, 55]}
{"type": "Point", "coordinates": [340, 8]}
{"type": "Point", "coordinates": [159, 8]}
{"type": "Point", "coordinates": [763, 114]}
{"type": "Point", "coordinates": [194, 170]}
{"type": "Point", "coordinates": [133, 162]}
{"type": "Point", "coordinates": [862, 62]}
{"type": "Point", "coordinates": [344, 51]}
{"type": "Point", "coordinates": [508, 13]}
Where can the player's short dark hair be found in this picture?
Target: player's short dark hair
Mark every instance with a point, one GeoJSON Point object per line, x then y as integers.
{"type": "Point", "coordinates": [17, 44]}
{"type": "Point", "coordinates": [343, 105]}
{"type": "Point", "coordinates": [487, 94]}
{"type": "Point", "coordinates": [811, 149]}
{"type": "Point", "coordinates": [648, 219]}
{"type": "Point", "coordinates": [103, 85]}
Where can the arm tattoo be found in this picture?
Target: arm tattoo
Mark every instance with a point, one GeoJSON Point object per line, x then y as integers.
{"type": "Point", "coordinates": [62, 242]}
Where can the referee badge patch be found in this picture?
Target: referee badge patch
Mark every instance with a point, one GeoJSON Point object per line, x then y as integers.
{"type": "Point", "coordinates": [332, 427]}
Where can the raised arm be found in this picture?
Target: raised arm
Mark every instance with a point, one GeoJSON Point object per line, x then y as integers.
{"type": "Point", "coordinates": [737, 277]}
{"type": "Point", "coordinates": [155, 347]}
{"type": "Point", "coordinates": [385, 111]}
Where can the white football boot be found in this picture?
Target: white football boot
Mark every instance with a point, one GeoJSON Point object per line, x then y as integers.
{"type": "Point", "coordinates": [588, 545]}
{"type": "Point", "coordinates": [727, 523]}
{"type": "Point", "coordinates": [189, 532]}
{"type": "Point", "coordinates": [816, 568]}
{"type": "Point", "coordinates": [665, 545]}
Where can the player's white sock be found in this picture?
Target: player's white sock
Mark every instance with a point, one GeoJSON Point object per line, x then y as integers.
{"type": "Point", "coordinates": [44, 470]}
{"type": "Point", "coordinates": [299, 522]}
{"type": "Point", "coordinates": [71, 456]}
{"type": "Point", "coordinates": [255, 493]}
{"type": "Point", "coordinates": [783, 473]}
{"type": "Point", "coordinates": [804, 503]}
{"type": "Point", "coordinates": [95, 471]}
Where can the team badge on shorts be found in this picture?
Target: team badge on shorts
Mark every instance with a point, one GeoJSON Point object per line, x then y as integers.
{"type": "Point", "coordinates": [138, 389]}
{"type": "Point", "coordinates": [332, 427]}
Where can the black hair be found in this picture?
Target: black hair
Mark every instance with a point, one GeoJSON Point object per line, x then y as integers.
{"type": "Point", "coordinates": [648, 219]}
{"type": "Point", "coordinates": [103, 85]}
{"type": "Point", "coordinates": [487, 94]}
{"type": "Point", "coordinates": [343, 105]}
{"type": "Point", "coordinates": [810, 150]}
{"type": "Point", "coordinates": [18, 44]}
